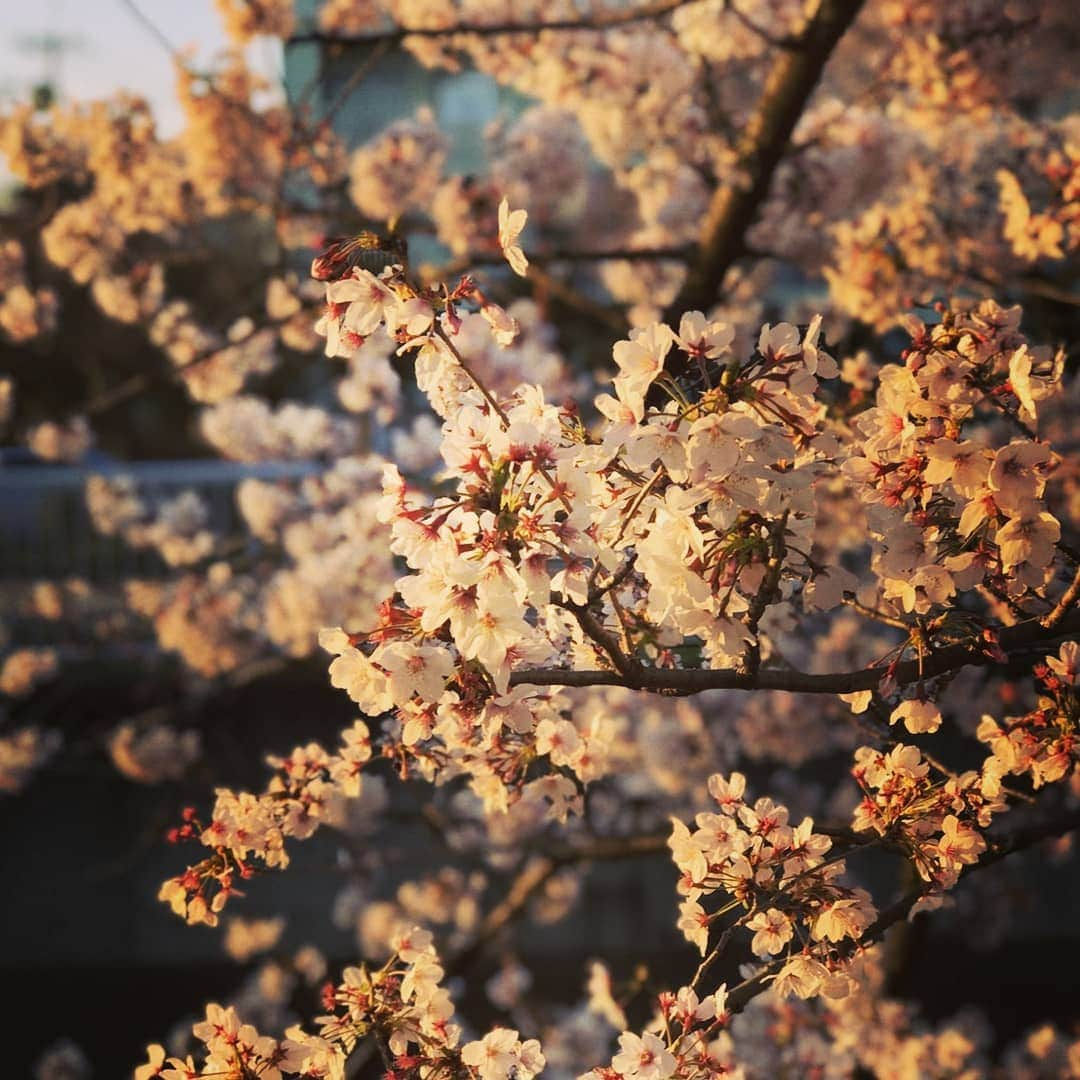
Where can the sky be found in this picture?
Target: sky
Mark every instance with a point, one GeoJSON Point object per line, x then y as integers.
{"type": "Point", "coordinates": [105, 46]}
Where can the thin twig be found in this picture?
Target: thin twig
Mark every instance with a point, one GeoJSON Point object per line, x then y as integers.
{"type": "Point", "coordinates": [777, 41]}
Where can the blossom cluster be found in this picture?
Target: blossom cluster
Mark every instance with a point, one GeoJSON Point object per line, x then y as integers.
{"type": "Point", "coordinates": [950, 513]}
{"type": "Point", "coordinates": [175, 527]}
{"type": "Point", "coordinates": [937, 822]}
{"type": "Point", "coordinates": [1044, 741]}
{"type": "Point", "coordinates": [402, 1005]}
{"type": "Point", "coordinates": [677, 533]}
{"type": "Point", "coordinates": [742, 446]}
{"type": "Point", "coordinates": [779, 875]}
{"type": "Point", "coordinates": [685, 1039]}
{"type": "Point", "coordinates": [246, 832]}
{"type": "Point", "coordinates": [24, 312]}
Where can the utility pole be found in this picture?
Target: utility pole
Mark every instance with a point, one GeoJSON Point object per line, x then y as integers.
{"type": "Point", "coordinates": [52, 46]}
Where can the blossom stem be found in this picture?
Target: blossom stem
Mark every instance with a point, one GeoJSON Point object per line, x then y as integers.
{"type": "Point", "coordinates": [499, 411]}
{"type": "Point", "coordinates": [766, 594]}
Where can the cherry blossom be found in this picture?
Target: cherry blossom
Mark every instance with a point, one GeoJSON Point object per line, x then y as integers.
{"type": "Point", "coordinates": [768, 465]}
{"type": "Point", "coordinates": [511, 223]}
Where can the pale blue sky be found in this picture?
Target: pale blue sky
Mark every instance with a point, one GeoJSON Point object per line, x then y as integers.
{"type": "Point", "coordinates": [108, 48]}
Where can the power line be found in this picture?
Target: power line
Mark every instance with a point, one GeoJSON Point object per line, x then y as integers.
{"type": "Point", "coordinates": [153, 29]}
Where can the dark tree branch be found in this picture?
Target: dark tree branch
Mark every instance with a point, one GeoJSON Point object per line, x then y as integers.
{"type": "Point", "coordinates": [767, 135]}
{"type": "Point", "coordinates": [559, 255]}
{"type": "Point", "coordinates": [141, 381]}
{"type": "Point", "coordinates": [654, 10]}
{"type": "Point", "coordinates": [537, 871]}
{"type": "Point", "coordinates": [546, 285]}
{"type": "Point", "coordinates": [596, 591]}
{"type": "Point", "coordinates": [1013, 640]}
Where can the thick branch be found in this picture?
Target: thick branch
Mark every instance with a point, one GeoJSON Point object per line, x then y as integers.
{"type": "Point", "coordinates": [767, 135]}
{"type": "Point", "coordinates": [500, 29]}
{"type": "Point", "coordinates": [1013, 640]}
